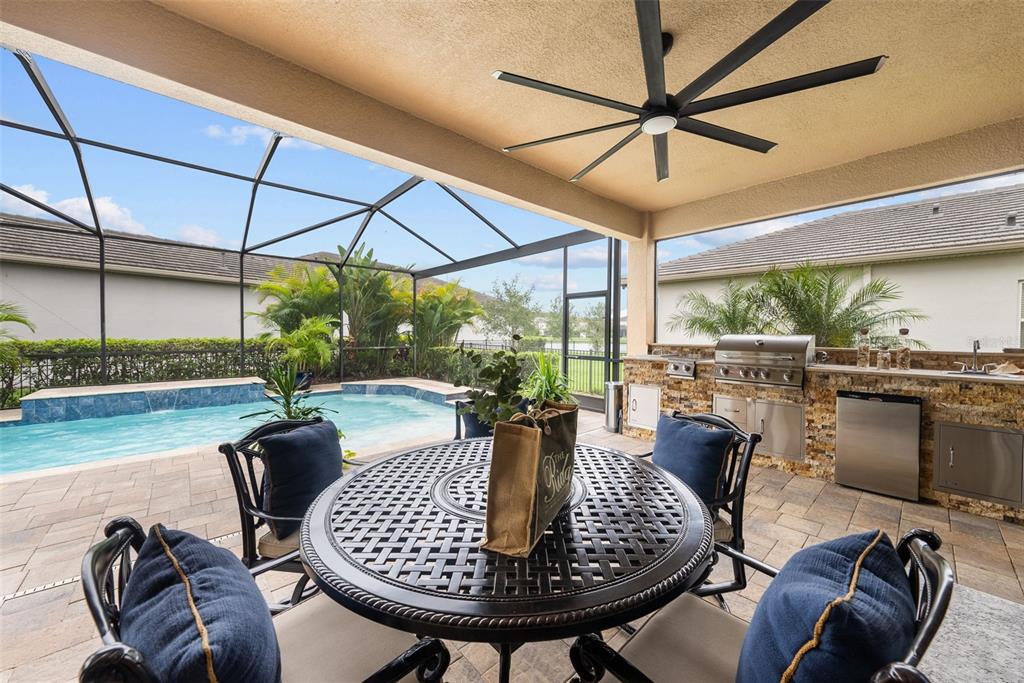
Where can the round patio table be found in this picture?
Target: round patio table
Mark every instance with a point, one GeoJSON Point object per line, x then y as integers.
{"type": "Point", "coordinates": [398, 542]}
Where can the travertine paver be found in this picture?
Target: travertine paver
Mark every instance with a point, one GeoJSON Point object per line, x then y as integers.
{"type": "Point", "coordinates": [47, 522]}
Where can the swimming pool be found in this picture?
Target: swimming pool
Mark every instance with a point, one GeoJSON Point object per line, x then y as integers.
{"type": "Point", "coordinates": [369, 422]}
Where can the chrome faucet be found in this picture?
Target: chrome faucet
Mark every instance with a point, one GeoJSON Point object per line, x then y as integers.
{"type": "Point", "coordinates": [974, 369]}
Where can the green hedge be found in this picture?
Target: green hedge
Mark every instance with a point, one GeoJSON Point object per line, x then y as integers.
{"type": "Point", "coordinates": [76, 362]}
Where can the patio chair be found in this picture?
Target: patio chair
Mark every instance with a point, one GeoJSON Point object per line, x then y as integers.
{"type": "Point", "coordinates": [692, 640]}
{"type": "Point", "coordinates": [249, 491]}
{"type": "Point", "coordinates": [318, 639]}
{"type": "Point", "coordinates": [728, 499]}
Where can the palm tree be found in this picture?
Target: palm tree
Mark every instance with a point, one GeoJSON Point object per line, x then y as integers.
{"type": "Point", "coordinates": [309, 346]}
{"type": "Point", "coordinates": [441, 312]}
{"type": "Point", "coordinates": [11, 314]}
{"type": "Point", "coordinates": [821, 300]}
{"type": "Point", "coordinates": [738, 310]}
{"type": "Point", "coordinates": [296, 294]}
{"type": "Point", "coordinates": [373, 309]}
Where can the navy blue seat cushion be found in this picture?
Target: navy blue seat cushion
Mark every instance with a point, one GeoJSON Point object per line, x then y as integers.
{"type": "Point", "coordinates": [694, 453]}
{"type": "Point", "coordinates": [836, 612]}
{"type": "Point", "coordinates": [298, 466]}
{"type": "Point", "coordinates": [195, 613]}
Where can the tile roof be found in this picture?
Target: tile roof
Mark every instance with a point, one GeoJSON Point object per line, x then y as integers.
{"type": "Point", "coordinates": [55, 240]}
{"type": "Point", "coordinates": [973, 221]}
{"type": "Point", "coordinates": [63, 242]}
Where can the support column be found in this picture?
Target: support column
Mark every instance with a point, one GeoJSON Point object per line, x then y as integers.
{"type": "Point", "coordinates": [641, 293]}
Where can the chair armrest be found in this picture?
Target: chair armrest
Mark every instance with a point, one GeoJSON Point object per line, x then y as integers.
{"type": "Point", "coordinates": [272, 518]}
{"type": "Point", "coordinates": [274, 564]}
{"type": "Point", "coordinates": [899, 672]}
{"type": "Point", "coordinates": [751, 562]}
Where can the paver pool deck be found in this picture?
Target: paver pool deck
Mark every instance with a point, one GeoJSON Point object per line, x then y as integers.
{"type": "Point", "coordinates": [48, 520]}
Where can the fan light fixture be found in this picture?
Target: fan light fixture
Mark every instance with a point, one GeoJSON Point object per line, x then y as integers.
{"type": "Point", "coordinates": [656, 125]}
{"type": "Point", "coordinates": [664, 112]}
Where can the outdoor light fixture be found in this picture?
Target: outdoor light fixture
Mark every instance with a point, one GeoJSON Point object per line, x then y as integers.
{"type": "Point", "coordinates": [658, 124]}
{"type": "Point", "coordinates": [664, 112]}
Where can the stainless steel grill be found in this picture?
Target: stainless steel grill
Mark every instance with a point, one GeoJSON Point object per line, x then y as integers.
{"type": "Point", "coordinates": [763, 359]}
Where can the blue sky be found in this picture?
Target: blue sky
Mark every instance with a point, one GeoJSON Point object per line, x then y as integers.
{"type": "Point", "coordinates": [148, 197]}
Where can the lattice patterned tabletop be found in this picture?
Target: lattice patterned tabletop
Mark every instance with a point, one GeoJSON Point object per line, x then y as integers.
{"type": "Point", "coordinates": [398, 542]}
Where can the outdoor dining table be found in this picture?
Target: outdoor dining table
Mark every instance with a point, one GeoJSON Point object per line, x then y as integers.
{"type": "Point", "coordinates": [398, 542]}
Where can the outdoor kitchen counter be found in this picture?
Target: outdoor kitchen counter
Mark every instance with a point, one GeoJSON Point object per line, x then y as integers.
{"type": "Point", "coordinates": [977, 400]}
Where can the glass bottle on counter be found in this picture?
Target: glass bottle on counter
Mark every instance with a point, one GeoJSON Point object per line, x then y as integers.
{"type": "Point", "coordinates": [863, 349]}
{"type": "Point", "coordinates": [903, 349]}
{"type": "Point", "coordinates": [884, 358]}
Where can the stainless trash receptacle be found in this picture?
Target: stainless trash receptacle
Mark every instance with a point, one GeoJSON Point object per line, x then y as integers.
{"type": "Point", "coordinates": [613, 406]}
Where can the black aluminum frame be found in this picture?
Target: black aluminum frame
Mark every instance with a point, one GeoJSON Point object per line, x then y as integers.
{"type": "Point", "coordinates": [106, 570]}
{"type": "Point", "coordinates": [367, 210]}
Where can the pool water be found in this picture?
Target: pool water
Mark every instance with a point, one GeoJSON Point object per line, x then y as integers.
{"type": "Point", "coordinates": [369, 422]}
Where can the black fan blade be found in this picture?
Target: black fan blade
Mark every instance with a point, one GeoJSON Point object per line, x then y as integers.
{"type": "Point", "coordinates": [648, 18]}
{"type": "Point", "coordinates": [576, 134]}
{"type": "Point", "coordinates": [615, 148]}
{"type": "Point", "coordinates": [790, 18]}
{"type": "Point", "coordinates": [732, 137]}
{"type": "Point", "coordinates": [661, 156]}
{"type": "Point", "coordinates": [816, 79]}
{"type": "Point", "coordinates": [567, 92]}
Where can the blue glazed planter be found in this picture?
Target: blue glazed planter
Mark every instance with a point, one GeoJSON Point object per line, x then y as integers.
{"type": "Point", "coordinates": [474, 427]}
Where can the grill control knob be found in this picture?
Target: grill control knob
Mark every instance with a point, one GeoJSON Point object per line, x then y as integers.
{"type": "Point", "coordinates": [762, 374]}
{"type": "Point", "coordinates": [787, 376]}
{"type": "Point", "coordinates": [744, 372]}
{"type": "Point", "coordinates": [723, 371]}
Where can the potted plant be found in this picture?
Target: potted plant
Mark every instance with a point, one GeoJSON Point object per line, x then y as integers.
{"type": "Point", "coordinates": [497, 394]}
{"type": "Point", "coordinates": [308, 347]}
{"type": "Point", "coordinates": [284, 389]}
{"type": "Point", "coordinates": [546, 382]}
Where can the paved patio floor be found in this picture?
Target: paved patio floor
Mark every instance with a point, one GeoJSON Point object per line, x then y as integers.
{"type": "Point", "coordinates": [48, 521]}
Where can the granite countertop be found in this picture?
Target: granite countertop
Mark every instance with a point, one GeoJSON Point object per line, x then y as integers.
{"type": "Point", "coordinates": [854, 370]}
{"type": "Point", "coordinates": [917, 374]}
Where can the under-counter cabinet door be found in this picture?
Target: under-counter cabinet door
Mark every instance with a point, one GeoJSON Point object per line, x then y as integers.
{"type": "Point", "coordinates": [644, 406]}
{"type": "Point", "coordinates": [980, 462]}
{"type": "Point", "coordinates": [782, 426]}
{"type": "Point", "coordinates": [733, 409]}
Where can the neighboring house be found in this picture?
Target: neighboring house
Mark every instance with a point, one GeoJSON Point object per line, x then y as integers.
{"type": "Point", "coordinates": [155, 288]}
{"type": "Point", "coordinates": [958, 259]}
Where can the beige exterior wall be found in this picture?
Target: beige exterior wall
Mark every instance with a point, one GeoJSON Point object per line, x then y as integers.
{"type": "Point", "coordinates": [966, 297]}
{"type": "Point", "coordinates": [64, 302]}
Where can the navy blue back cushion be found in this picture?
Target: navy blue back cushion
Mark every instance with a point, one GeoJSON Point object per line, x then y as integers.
{"type": "Point", "coordinates": [836, 612]}
{"type": "Point", "coordinates": [695, 454]}
{"type": "Point", "coordinates": [192, 609]}
{"type": "Point", "coordinates": [298, 466]}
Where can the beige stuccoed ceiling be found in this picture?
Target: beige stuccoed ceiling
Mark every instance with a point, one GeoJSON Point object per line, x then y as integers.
{"type": "Point", "coordinates": [954, 66]}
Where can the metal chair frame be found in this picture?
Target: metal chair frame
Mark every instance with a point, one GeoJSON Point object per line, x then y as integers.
{"type": "Point", "coordinates": [106, 571]}
{"type": "Point", "coordinates": [249, 494]}
{"type": "Point", "coordinates": [931, 582]}
{"type": "Point", "coordinates": [730, 498]}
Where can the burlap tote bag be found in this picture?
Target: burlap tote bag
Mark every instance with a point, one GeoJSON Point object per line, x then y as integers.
{"type": "Point", "coordinates": [530, 478]}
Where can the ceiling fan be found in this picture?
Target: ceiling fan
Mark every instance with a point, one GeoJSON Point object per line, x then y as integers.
{"type": "Point", "coordinates": [663, 112]}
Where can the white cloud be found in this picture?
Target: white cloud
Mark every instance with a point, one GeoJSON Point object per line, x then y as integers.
{"type": "Point", "coordinates": [208, 237]}
{"type": "Point", "coordinates": [239, 135]}
{"type": "Point", "coordinates": [112, 215]}
{"type": "Point", "coordinates": [11, 204]}
{"type": "Point", "coordinates": [589, 257]}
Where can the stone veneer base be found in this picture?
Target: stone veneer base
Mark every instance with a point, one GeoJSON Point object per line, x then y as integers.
{"type": "Point", "coordinates": [151, 399]}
